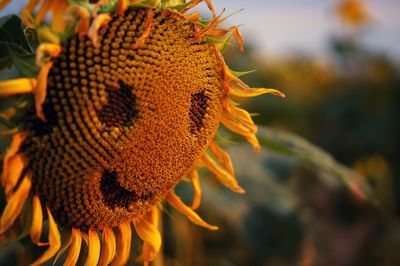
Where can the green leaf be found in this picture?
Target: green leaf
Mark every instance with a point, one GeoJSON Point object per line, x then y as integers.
{"type": "Point", "coordinates": [24, 61]}
{"type": "Point", "coordinates": [11, 31]}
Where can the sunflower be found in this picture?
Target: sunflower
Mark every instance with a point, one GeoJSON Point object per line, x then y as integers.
{"type": "Point", "coordinates": [353, 12]}
{"type": "Point", "coordinates": [128, 100]}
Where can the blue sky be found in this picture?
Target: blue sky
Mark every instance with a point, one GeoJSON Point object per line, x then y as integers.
{"type": "Point", "coordinates": [285, 26]}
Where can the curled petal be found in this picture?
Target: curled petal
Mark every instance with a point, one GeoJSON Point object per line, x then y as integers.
{"type": "Point", "coordinates": [223, 157]}
{"type": "Point", "coordinates": [93, 243]}
{"type": "Point", "coordinates": [223, 176]}
{"type": "Point", "coordinates": [122, 6]}
{"type": "Point", "coordinates": [108, 247]}
{"type": "Point", "coordinates": [195, 179]}
{"type": "Point", "coordinates": [100, 21]}
{"type": "Point", "coordinates": [77, 11]}
{"type": "Point", "coordinates": [178, 204]}
{"type": "Point", "coordinates": [194, 3]}
{"type": "Point", "coordinates": [37, 221]}
{"type": "Point", "coordinates": [54, 241]}
{"type": "Point", "coordinates": [210, 27]}
{"type": "Point", "coordinates": [242, 116]}
{"type": "Point", "coordinates": [123, 244]}
{"type": "Point", "coordinates": [15, 165]}
{"type": "Point", "coordinates": [9, 154]}
{"type": "Point", "coordinates": [40, 92]}
{"type": "Point", "coordinates": [74, 248]}
{"type": "Point", "coordinates": [50, 49]}
{"type": "Point", "coordinates": [146, 30]}
{"type": "Point", "coordinates": [17, 86]}
{"type": "Point", "coordinates": [241, 129]}
{"type": "Point", "coordinates": [146, 228]}
{"type": "Point", "coordinates": [15, 204]}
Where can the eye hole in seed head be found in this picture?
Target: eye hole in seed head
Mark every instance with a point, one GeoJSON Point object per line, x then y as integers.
{"type": "Point", "coordinates": [114, 195]}
{"type": "Point", "coordinates": [120, 110]}
{"type": "Point", "coordinates": [198, 109]}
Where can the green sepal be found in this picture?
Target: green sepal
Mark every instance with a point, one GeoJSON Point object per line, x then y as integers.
{"type": "Point", "coordinates": [239, 74]}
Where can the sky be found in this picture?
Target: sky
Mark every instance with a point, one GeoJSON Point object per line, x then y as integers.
{"type": "Point", "coordinates": [286, 26]}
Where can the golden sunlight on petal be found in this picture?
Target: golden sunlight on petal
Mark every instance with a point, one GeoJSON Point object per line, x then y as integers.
{"type": "Point", "coordinates": [15, 204]}
{"type": "Point", "coordinates": [195, 179]}
{"type": "Point", "coordinates": [16, 165]}
{"type": "Point", "coordinates": [40, 92]}
{"type": "Point", "coordinates": [178, 204]}
{"type": "Point", "coordinates": [147, 229]}
{"type": "Point", "coordinates": [108, 247]}
{"type": "Point", "coordinates": [223, 157]}
{"type": "Point", "coordinates": [17, 86]}
{"type": "Point", "coordinates": [54, 241]}
{"type": "Point", "coordinates": [58, 22]}
{"type": "Point", "coordinates": [241, 129]}
{"type": "Point", "coordinates": [8, 169]}
{"type": "Point", "coordinates": [123, 244]}
{"type": "Point", "coordinates": [75, 248]}
{"type": "Point", "coordinates": [37, 221]}
{"type": "Point", "coordinates": [93, 243]}
{"type": "Point", "coordinates": [223, 176]}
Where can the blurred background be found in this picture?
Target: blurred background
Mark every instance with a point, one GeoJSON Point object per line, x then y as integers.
{"type": "Point", "coordinates": [325, 189]}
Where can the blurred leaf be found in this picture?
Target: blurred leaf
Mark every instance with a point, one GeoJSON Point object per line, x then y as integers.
{"type": "Point", "coordinates": [332, 172]}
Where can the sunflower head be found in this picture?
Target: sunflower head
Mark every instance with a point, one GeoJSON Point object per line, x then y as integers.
{"type": "Point", "coordinates": [127, 104]}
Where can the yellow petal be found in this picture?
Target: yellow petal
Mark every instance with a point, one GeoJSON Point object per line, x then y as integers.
{"type": "Point", "coordinates": [44, 9]}
{"type": "Point", "coordinates": [241, 129]}
{"type": "Point", "coordinates": [37, 221]}
{"type": "Point", "coordinates": [223, 157]}
{"type": "Point", "coordinates": [27, 11]}
{"type": "Point", "coordinates": [93, 248]}
{"type": "Point", "coordinates": [54, 241]}
{"type": "Point", "coordinates": [223, 176]}
{"type": "Point", "coordinates": [97, 23]}
{"type": "Point", "coordinates": [241, 116]}
{"type": "Point", "coordinates": [74, 249]}
{"type": "Point", "coordinates": [80, 12]}
{"type": "Point", "coordinates": [16, 165]}
{"type": "Point", "coordinates": [49, 49]}
{"type": "Point", "coordinates": [147, 229]}
{"type": "Point", "coordinates": [40, 92]}
{"type": "Point", "coordinates": [15, 204]}
{"type": "Point", "coordinates": [10, 152]}
{"type": "Point", "coordinates": [195, 179]}
{"type": "Point", "coordinates": [4, 3]}
{"type": "Point", "coordinates": [58, 21]}
{"type": "Point", "coordinates": [122, 6]}
{"type": "Point", "coordinates": [252, 92]}
{"type": "Point", "coordinates": [178, 204]}
{"type": "Point", "coordinates": [48, 36]}
{"type": "Point", "coordinates": [123, 244]}
{"type": "Point", "coordinates": [108, 247]}
{"type": "Point", "coordinates": [17, 86]}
